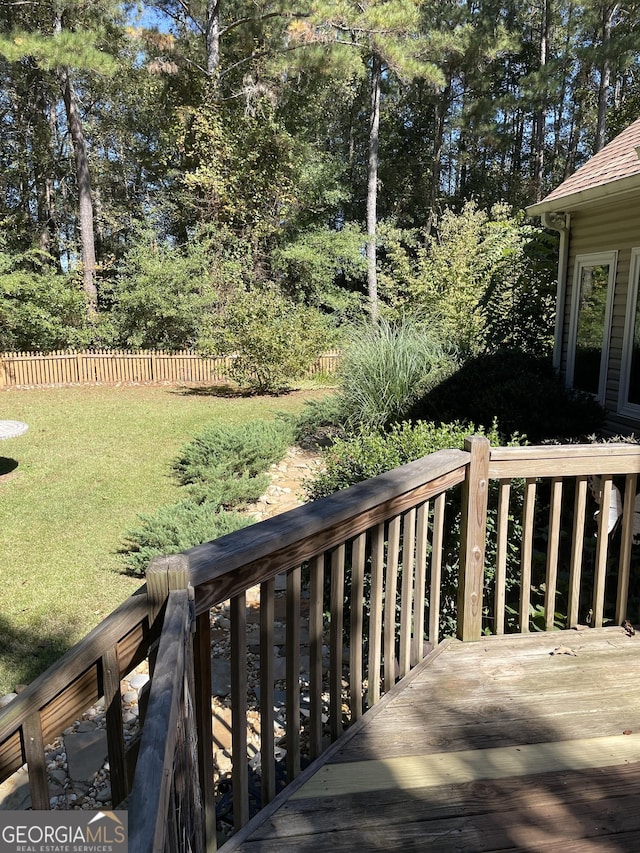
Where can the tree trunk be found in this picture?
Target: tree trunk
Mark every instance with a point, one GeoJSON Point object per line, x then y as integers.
{"type": "Point", "coordinates": [541, 113]}
{"type": "Point", "coordinates": [213, 37]}
{"type": "Point", "coordinates": [441, 110]}
{"type": "Point", "coordinates": [85, 203]}
{"type": "Point", "coordinates": [372, 187]}
{"type": "Point", "coordinates": [605, 78]}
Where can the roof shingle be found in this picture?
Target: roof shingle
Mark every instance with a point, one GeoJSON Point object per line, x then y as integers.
{"type": "Point", "coordinates": [615, 161]}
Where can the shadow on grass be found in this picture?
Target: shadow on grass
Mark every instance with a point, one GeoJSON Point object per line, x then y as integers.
{"type": "Point", "coordinates": [7, 465]}
{"type": "Point", "coordinates": [228, 391]}
{"type": "Point", "coordinates": [26, 652]}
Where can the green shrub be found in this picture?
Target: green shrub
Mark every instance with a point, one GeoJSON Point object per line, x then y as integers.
{"type": "Point", "coordinates": [274, 340]}
{"type": "Point", "coordinates": [177, 527]}
{"type": "Point", "coordinates": [372, 452]}
{"type": "Point", "coordinates": [222, 468]}
{"type": "Point", "coordinates": [521, 391]}
{"type": "Point", "coordinates": [233, 451]}
{"type": "Point", "coordinates": [320, 420]}
{"type": "Point", "coordinates": [387, 367]}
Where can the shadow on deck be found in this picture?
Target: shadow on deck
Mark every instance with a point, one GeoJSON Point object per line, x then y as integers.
{"type": "Point", "coordinates": [500, 744]}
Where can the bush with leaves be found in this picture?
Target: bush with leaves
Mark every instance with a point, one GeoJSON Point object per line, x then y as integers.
{"type": "Point", "coordinates": [221, 468]}
{"type": "Point", "coordinates": [225, 464]}
{"type": "Point", "coordinates": [40, 309]}
{"type": "Point", "coordinates": [485, 278]}
{"type": "Point", "coordinates": [177, 527]}
{"type": "Point", "coordinates": [164, 295]}
{"type": "Point", "coordinates": [274, 340]}
{"type": "Point", "coordinates": [372, 452]}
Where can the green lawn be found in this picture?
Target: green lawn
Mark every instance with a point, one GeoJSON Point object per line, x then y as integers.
{"type": "Point", "coordinates": [92, 460]}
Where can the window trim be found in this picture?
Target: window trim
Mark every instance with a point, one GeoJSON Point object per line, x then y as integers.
{"type": "Point", "coordinates": [581, 261]}
{"type": "Point", "coordinates": [624, 406]}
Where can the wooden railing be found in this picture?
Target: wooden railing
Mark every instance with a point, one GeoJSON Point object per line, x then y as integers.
{"type": "Point", "coordinates": [372, 575]}
{"type": "Point", "coordinates": [165, 805]}
{"type": "Point", "coordinates": [112, 367]}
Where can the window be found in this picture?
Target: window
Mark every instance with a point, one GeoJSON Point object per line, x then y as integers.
{"type": "Point", "coordinates": [629, 401]}
{"type": "Point", "coordinates": [590, 322]}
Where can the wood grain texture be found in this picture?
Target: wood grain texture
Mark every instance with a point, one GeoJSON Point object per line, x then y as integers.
{"type": "Point", "coordinates": [493, 745]}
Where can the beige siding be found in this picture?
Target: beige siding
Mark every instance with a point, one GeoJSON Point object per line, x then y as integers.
{"type": "Point", "coordinates": [603, 229]}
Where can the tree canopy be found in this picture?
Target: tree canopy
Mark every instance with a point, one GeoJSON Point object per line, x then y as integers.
{"type": "Point", "coordinates": [188, 152]}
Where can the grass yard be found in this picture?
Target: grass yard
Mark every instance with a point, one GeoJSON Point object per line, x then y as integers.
{"type": "Point", "coordinates": [92, 460]}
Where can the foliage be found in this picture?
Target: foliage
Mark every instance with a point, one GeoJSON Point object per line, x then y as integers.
{"type": "Point", "coordinates": [486, 278]}
{"type": "Point", "coordinates": [521, 391]}
{"type": "Point", "coordinates": [222, 468]}
{"type": "Point", "coordinates": [387, 366]}
{"type": "Point", "coordinates": [163, 295]}
{"type": "Point", "coordinates": [177, 527]}
{"type": "Point", "coordinates": [223, 463]}
{"type": "Point", "coordinates": [275, 341]}
{"type": "Point", "coordinates": [320, 420]}
{"type": "Point", "coordinates": [371, 452]}
{"type": "Point", "coordinates": [40, 309]}
{"type": "Point", "coordinates": [322, 266]}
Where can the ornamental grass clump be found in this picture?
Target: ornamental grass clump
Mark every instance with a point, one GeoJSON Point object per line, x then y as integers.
{"type": "Point", "coordinates": [387, 367]}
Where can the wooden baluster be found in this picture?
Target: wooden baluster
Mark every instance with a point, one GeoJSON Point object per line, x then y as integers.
{"type": "Point", "coordinates": [625, 546]}
{"type": "Point", "coordinates": [315, 654]}
{"type": "Point", "coordinates": [375, 614]}
{"type": "Point", "coordinates": [436, 569]}
{"type": "Point", "coordinates": [293, 673]}
{"type": "Point", "coordinates": [204, 719]}
{"type": "Point", "coordinates": [390, 595]}
{"type": "Point", "coordinates": [602, 549]}
{"type": "Point", "coordinates": [577, 543]}
{"type": "Point", "coordinates": [406, 597]}
{"type": "Point", "coordinates": [240, 768]}
{"type": "Point", "coordinates": [502, 536]}
{"type": "Point", "coordinates": [422, 529]}
{"type": "Point", "coordinates": [33, 744]}
{"type": "Point", "coordinates": [555, 519]}
{"type": "Point", "coordinates": [336, 641]}
{"type": "Point", "coordinates": [267, 677]}
{"type": "Point", "coordinates": [115, 735]}
{"type": "Point", "coordinates": [472, 547]}
{"type": "Point", "coordinates": [355, 626]}
{"type": "Point", "coordinates": [528, 517]}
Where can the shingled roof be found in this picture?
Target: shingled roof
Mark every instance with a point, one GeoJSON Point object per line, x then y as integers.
{"type": "Point", "coordinates": [613, 170]}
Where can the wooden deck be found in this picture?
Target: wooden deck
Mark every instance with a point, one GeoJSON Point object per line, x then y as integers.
{"type": "Point", "coordinates": [493, 745]}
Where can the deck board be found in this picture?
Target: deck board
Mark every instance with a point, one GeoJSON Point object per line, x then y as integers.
{"type": "Point", "coordinates": [506, 747]}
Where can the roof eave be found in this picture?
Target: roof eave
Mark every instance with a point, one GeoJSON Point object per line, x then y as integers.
{"type": "Point", "coordinates": [575, 200]}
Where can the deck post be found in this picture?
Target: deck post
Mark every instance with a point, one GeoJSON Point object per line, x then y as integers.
{"type": "Point", "coordinates": [165, 574]}
{"type": "Point", "coordinates": [473, 520]}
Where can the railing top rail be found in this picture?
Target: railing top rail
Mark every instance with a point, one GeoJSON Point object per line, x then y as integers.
{"type": "Point", "coordinates": [126, 618]}
{"type": "Point", "coordinates": [565, 451]}
{"type": "Point", "coordinates": [558, 460]}
{"type": "Point", "coordinates": [287, 540]}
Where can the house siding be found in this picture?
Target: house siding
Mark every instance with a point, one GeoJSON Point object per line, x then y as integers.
{"type": "Point", "coordinates": [602, 229]}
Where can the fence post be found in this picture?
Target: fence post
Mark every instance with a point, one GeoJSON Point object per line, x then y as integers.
{"type": "Point", "coordinates": [473, 520]}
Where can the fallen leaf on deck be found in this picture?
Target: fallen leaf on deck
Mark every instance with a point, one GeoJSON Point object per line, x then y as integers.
{"type": "Point", "coordinates": [564, 650]}
{"type": "Point", "coordinates": [627, 732]}
{"type": "Point", "coordinates": [628, 628]}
